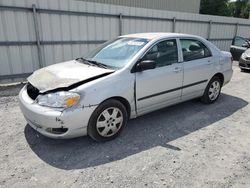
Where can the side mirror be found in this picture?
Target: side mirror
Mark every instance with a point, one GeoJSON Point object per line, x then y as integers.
{"type": "Point", "coordinates": [145, 65]}
{"type": "Point", "coordinates": [246, 45]}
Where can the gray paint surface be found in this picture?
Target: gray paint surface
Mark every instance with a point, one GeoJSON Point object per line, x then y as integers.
{"type": "Point", "coordinates": [71, 33]}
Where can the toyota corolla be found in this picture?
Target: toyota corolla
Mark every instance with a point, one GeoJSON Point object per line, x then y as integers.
{"type": "Point", "coordinates": [122, 79]}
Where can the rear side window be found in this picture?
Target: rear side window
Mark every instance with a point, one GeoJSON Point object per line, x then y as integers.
{"type": "Point", "coordinates": [194, 49]}
{"type": "Point", "coordinates": [164, 53]}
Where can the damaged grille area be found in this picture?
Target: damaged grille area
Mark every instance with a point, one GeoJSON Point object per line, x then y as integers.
{"type": "Point", "coordinates": [57, 130]}
{"type": "Point", "coordinates": [32, 91]}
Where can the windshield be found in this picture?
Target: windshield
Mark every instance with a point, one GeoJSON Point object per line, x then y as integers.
{"type": "Point", "coordinates": [117, 53]}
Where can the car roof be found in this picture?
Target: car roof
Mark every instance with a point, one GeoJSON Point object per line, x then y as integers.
{"type": "Point", "coordinates": [158, 35]}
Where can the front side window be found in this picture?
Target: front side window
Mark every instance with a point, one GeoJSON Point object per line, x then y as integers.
{"type": "Point", "coordinates": [117, 53]}
{"type": "Point", "coordinates": [194, 49]}
{"type": "Point", "coordinates": [238, 41]}
{"type": "Point", "coordinates": [164, 53]}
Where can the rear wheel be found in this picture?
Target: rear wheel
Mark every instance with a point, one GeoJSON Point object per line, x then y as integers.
{"type": "Point", "coordinates": [212, 91]}
{"type": "Point", "coordinates": [107, 121]}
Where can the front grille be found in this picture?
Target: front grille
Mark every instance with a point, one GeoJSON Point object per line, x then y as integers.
{"type": "Point", "coordinates": [32, 91]}
{"type": "Point", "coordinates": [242, 65]}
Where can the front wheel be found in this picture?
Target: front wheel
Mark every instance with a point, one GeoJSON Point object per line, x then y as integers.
{"type": "Point", "coordinates": [107, 121]}
{"type": "Point", "coordinates": [212, 91]}
{"type": "Point", "coordinates": [244, 70]}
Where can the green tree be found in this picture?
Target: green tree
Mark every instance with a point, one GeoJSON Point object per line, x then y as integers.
{"type": "Point", "coordinates": [239, 8]}
{"type": "Point", "coordinates": [215, 7]}
{"type": "Point", "coordinates": [245, 11]}
{"type": "Point", "coordinates": [242, 8]}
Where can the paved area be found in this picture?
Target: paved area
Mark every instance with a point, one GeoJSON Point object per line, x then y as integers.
{"type": "Point", "coordinates": [186, 145]}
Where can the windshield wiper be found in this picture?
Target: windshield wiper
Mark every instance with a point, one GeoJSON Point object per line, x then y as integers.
{"type": "Point", "coordinates": [83, 60]}
{"type": "Point", "coordinates": [90, 62]}
{"type": "Point", "coordinates": [98, 64]}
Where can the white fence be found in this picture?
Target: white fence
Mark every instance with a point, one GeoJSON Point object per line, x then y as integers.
{"type": "Point", "coordinates": [35, 34]}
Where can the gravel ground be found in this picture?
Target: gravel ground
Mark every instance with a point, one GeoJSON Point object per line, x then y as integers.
{"type": "Point", "coordinates": [186, 145]}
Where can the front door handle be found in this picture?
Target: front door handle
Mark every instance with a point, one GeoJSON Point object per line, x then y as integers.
{"type": "Point", "coordinates": [177, 69]}
{"type": "Point", "coordinates": [209, 62]}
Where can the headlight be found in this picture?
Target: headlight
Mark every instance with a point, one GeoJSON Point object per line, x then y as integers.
{"type": "Point", "coordinates": [60, 99]}
{"type": "Point", "coordinates": [244, 56]}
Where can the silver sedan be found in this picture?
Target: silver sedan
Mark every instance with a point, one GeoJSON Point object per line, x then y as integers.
{"type": "Point", "coordinates": [124, 78]}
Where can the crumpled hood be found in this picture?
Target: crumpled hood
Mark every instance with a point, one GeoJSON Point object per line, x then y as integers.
{"type": "Point", "coordinates": [64, 75]}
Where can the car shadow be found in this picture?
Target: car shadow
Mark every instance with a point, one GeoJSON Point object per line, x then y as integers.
{"type": "Point", "coordinates": [155, 129]}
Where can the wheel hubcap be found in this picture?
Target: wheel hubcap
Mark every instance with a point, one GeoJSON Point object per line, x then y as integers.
{"type": "Point", "coordinates": [214, 90]}
{"type": "Point", "coordinates": [109, 122]}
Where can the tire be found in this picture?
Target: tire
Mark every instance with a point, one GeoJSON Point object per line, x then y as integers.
{"type": "Point", "coordinates": [107, 121]}
{"type": "Point", "coordinates": [213, 87]}
{"type": "Point", "coordinates": [245, 70]}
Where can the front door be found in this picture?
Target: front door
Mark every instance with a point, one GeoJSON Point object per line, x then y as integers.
{"type": "Point", "coordinates": [161, 86]}
{"type": "Point", "coordinates": [238, 47]}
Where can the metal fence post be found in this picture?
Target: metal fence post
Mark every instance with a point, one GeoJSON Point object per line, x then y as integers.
{"type": "Point", "coordinates": [209, 29]}
{"type": "Point", "coordinates": [236, 29]}
{"type": "Point", "coordinates": [120, 24]}
{"type": "Point", "coordinates": [174, 24]}
{"type": "Point", "coordinates": [37, 33]}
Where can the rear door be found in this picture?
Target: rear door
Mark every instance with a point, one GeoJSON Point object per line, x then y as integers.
{"type": "Point", "coordinates": [161, 86]}
{"type": "Point", "coordinates": [198, 67]}
{"type": "Point", "coordinates": [238, 47]}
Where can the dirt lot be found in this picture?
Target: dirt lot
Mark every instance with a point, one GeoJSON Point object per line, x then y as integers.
{"type": "Point", "coordinates": [187, 145]}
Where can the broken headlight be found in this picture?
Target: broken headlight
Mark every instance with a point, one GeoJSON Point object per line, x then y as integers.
{"type": "Point", "coordinates": [61, 99]}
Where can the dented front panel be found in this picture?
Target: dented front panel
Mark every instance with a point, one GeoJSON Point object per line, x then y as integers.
{"type": "Point", "coordinates": [63, 75]}
{"type": "Point", "coordinates": [42, 119]}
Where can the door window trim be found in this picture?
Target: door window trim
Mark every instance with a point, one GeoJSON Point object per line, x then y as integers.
{"type": "Point", "coordinates": [156, 42]}
{"type": "Point", "coordinates": [233, 43]}
{"type": "Point", "coordinates": [177, 50]}
{"type": "Point", "coordinates": [194, 39]}
{"type": "Point", "coordinates": [152, 45]}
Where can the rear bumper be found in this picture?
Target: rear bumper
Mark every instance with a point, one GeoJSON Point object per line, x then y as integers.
{"type": "Point", "coordinates": [227, 76]}
{"type": "Point", "coordinates": [45, 120]}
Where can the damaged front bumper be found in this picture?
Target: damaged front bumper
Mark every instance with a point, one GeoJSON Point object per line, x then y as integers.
{"type": "Point", "coordinates": [52, 122]}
